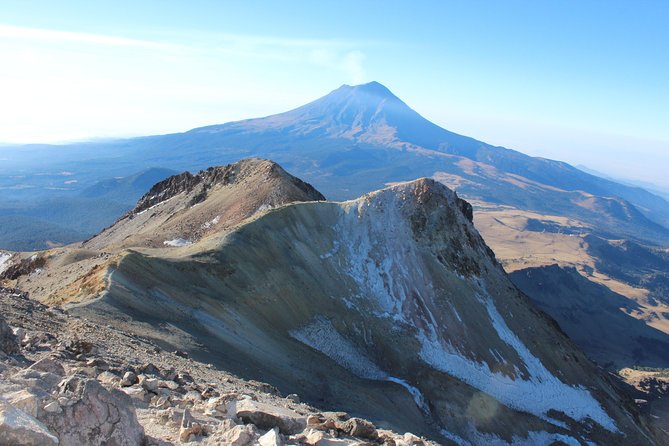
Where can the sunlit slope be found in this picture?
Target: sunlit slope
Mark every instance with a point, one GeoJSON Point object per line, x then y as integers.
{"type": "Point", "coordinates": [178, 211]}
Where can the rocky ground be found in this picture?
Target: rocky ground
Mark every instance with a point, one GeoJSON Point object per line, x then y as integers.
{"type": "Point", "coordinates": [71, 381]}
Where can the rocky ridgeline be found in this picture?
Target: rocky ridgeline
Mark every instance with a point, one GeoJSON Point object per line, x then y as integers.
{"type": "Point", "coordinates": [204, 180]}
{"type": "Point", "coordinates": [68, 381]}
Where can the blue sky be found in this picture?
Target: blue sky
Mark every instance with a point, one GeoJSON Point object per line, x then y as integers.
{"type": "Point", "coordinates": [583, 81]}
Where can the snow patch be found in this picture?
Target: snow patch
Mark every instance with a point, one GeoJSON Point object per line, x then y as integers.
{"type": "Point", "coordinates": [373, 266]}
{"type": "Point", "coordinates": [321, 335]}
{"type": "Point", "coordinates": [415, 393]}
{"type": "Point", "coordinates": [177, 242]}
{"type": "Point", "coordinates": [211, 223]}
{"type": "Point", "coordinates": [155, 205]}
{"type": "Point", "coordinates": [4, 261]}
{"type": "Point", "coordinates": [333, 251]}
{"type": "Point", "coordinates": [538, 395]}
{"type": "Point", "coordinates": [533, 438]}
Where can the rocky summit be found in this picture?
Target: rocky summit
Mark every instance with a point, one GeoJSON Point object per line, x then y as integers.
{"type": "Point", "coordinates": [388, 313]}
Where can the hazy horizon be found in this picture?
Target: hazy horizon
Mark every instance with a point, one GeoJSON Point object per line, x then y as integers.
{"type": "Point", "coordinates": [556, 81]}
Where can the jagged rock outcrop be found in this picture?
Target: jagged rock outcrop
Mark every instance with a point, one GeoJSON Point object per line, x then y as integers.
{"type": "Point", "coordinates": [184, 208]}
{"type": "Point", "coordinates": [219, 176]}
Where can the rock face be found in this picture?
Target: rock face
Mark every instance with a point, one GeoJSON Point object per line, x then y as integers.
{"type": "Point", "coordinates": [95, 416]}
{"type": "Point", "coordinates": [393, 298]}
{"type": "Point", "coordinates": [8, 342]}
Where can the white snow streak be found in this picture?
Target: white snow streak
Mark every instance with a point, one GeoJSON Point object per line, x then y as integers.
{"type": "Point", "coordinates": [321, 335]}
{"type": "Point", "coordinates": [541, 393]}
{"type": "Point", "coordinates": [155, 205]}
{"type": "Point", "coordinates": [211, 223]}
{"type": "Point", "coordinates": [533, 438]}
{"type": "Point", "coordinates": [415, 393]}
{"type": "Point", "coordinates": [4, 261]}
{"type": "Point", "coordinates": [177, 242]}
{"type": "Point", "coordinates": [380, 256]}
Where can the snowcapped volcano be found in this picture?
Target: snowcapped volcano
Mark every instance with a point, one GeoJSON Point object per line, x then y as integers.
{"type": "Point", "coordinates": [368, 113]}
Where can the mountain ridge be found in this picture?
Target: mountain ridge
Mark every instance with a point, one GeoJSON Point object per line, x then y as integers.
{"type": "Point", "coordinates": [389, 300]}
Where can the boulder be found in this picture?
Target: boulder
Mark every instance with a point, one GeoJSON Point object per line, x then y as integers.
{"type": "Point", "coordinates": [150, 384]}
{"type": "Point", "coordinates": [267, 417]}
{"type": "Point", "coordinates": [412, 440]}
{"type": "Point", "coordinates": [220, 406]}
{"type": "Point", "coordinates": [53, 407]}
{"type": "Point", "coordinates": [241, 435]}
{"type": "Point", "coordinates": [8, 341]}
{"type": "Point", "coordinates": [17, 428]}
{"type": "Point", "coordinates": [167, 384]}
{"type": "Point", "coordinates": [149, 369]}
{"type": "Point", "coordinates": [189, 427]}
{"type": "Point", "coordinates": [35, 379]}
{"type": "Point", "coordinates": [271, 438]}
{"type": "Point", "coordinates": [25, 400]}
{"type": "Point", "coordinates": [97, 363]}
{"type": "Point", "coordinates": [319, 438]}
{"type": "Point", "coordinates": [109, 379]}
{"type": "Point", "coordinates": [192, 396]}
{"type": "Point", "coordinates": [357, 427]}
{"type": "Point", "coordinates": [136, 393]}
{"type": "Point", "coordinates": [49, 365]}
{"type": "Point", "coordinates": [129, 378]}
{"type": "Point", "coordinates": [96, 416]}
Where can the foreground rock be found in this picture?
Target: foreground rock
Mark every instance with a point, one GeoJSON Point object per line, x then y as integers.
{"type": "Point", "coordinates": [267, 417]}
{"type": "Point", "coordinates": [81, 383]}
{"type": "Point", "coordinates": [92, 415]}
{"type": "Point", "coordinates": [18, 428]}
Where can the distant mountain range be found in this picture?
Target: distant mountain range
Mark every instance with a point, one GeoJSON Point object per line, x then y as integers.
{"type": "Point", "coordinates": [351, 141]}
{"type": "Point", "coordinates": [42, 221]}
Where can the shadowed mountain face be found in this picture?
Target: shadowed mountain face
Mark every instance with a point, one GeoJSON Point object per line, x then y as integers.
{"type": "Point", "coordinates": [390, 306]}
{"type": "Point", "coordinates": [354, 140]}
{"type": "Point", "coordinates": [594, 317]}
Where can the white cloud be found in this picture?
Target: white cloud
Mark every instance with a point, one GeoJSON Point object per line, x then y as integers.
{"type": "Point", "coordinates": [16, 32]}
{"type": "Point", "coordinates": [62, 85]}
{"type": "Point", "coordinates": [349, 63]}
{"type": "Point", "coordinates": [352, 63]}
